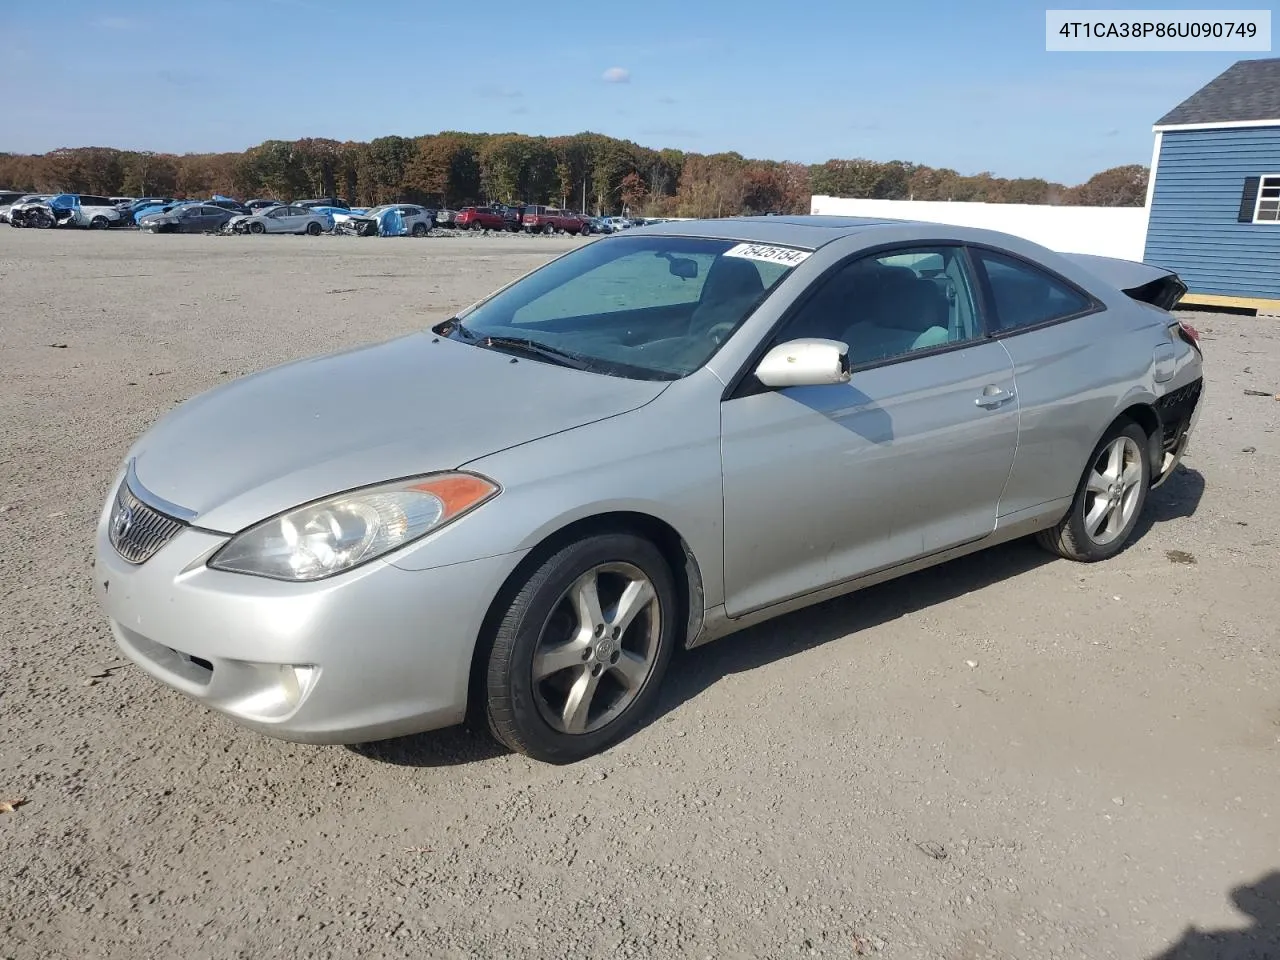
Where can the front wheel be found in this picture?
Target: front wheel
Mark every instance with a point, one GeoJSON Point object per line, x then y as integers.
{"type": "Point", "coordinates": [257, 228]}
{"type": "Point", "coordinates": [1109, 499]}
{"type": "Point", "coordinates": [579, 653]}
{"type": "Point", "coordinates": [314, 229]}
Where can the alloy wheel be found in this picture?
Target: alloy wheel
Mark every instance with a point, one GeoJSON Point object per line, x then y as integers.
{"type": "Point", "coordinates": [1112, 490]}
{"type": "Point", "coordinates": [597, 649]}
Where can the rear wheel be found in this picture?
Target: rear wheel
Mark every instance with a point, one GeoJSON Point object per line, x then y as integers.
{"type": "Point", "coordinates": [1109, 499]}
{"type": "Point", "coordinates": [419, 230]}
{"type": "Point", "coordinates": [99, 223]}
{"type": "Point", "coordinates": [580, 650]}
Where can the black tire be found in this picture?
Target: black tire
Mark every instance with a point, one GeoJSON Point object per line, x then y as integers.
{"type": "Point", "coordinates": [516, 708]}
{"type": "Point", "coordinates": [1071, 538]}
{"type": "Point", "coordinates": [257, 228]}
{"type": "Point", "coordinates": [314, 229]}
{"type": "Point", "coordinates": [549, 229]}
{"type": "Point", "coordinates": [99, 223]}
{"type": "Point", "coordinates": [419, 230]}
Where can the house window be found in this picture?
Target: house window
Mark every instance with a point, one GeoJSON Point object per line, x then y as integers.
{"type": "Point", "coordinates": [1268, 209]}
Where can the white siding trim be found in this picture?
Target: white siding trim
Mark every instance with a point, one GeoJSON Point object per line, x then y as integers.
{"type": "Point", "coordinates": [1155, 165]}
{"type": "Point", "coordinates": [1221, 125]}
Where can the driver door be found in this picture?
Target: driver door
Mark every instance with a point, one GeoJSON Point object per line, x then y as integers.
{"type": "Point", "coordinates": [824, 484]}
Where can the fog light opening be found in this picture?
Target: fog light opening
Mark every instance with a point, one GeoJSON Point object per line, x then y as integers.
{"type": "Point", "coordinates": [296, 681]}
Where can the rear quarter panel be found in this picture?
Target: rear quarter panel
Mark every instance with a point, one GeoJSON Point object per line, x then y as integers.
{"type": "Point", "coordinates": [1073, 379]}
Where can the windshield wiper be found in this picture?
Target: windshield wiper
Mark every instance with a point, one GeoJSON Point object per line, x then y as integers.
{"type": "Point", "coordinates": [562, 357]}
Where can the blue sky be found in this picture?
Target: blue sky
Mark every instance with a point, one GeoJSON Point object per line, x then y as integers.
{"type": "Point", "coordinates": [966, 85]}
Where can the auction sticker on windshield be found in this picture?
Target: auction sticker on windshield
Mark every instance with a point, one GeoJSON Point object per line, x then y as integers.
{"type": "Point", "coordinates": [756, 251]}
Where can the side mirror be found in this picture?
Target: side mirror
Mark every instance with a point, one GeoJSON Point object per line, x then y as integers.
{"type": "Point", "coordinates": [805, 363]}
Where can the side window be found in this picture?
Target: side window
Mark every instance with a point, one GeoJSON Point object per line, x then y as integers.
{"type": "Point", "coordinates": [635, 281]}
{"type": "Point", "coordinates": [892, 304]}
{"type": "Point", "coordinates": [1023, 295]}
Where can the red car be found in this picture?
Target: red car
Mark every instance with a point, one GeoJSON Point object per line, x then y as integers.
{"type": "Point", "coordinates": [479, 218]}
{"type": "Point", "coordinates": [551, 220]}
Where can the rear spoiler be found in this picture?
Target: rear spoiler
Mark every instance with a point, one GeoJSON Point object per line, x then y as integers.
{"type": "Point", "coordinates": [1141, 281]}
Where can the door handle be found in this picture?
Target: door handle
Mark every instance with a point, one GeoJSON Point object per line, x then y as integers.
{"type": "Point", "coordinates": [993, 396]}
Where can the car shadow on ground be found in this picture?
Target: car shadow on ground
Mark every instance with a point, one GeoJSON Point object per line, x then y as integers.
{"type": "Point", "coordinates": [694, 671]}
{"type": "Point", "coordinates": [1260, 940]}
{"type": "Point", "coordinates": [451, 747]}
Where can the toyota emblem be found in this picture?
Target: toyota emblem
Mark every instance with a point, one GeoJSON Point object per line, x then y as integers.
{"type": "Point", "coordinates": [123, 521]}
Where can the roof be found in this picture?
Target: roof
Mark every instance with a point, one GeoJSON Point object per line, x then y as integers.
{"type": "Point", "coordinates": [808, 231]}
{"type": "Point", "coordinates": [1246, 92]}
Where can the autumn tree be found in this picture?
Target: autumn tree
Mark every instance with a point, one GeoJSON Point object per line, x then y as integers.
{"type": "Point", "coordinates": [453, 167]}
{"type": "Point", "coordinates": [1118, 187]}
{"type": "Point", "coordinates": [633, 190]}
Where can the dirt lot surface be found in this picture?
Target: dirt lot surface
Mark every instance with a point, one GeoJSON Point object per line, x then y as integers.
{"type": "Point", "coordinates": [1005, 757]}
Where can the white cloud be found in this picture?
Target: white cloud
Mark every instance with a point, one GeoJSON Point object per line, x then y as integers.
{"type": "Point", "coordinates": [616, 75]}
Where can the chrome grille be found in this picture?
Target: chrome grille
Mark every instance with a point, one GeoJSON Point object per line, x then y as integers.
{"type": "Point", "coordinates": [136, 530]}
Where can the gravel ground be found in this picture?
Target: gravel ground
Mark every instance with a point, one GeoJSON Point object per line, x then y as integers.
{"type": "Point", "coordinates": [1005, 757]}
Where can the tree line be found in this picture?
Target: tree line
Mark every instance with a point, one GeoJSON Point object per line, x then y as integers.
{"type": "Point", "coordinates": [586, 171]}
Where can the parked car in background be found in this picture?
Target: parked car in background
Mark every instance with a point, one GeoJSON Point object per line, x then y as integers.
{"type": "Point", "coordinates": [188, 218]}
{"type": "Point", "coordinates": [418, 221]}
{"type": "Point", "coordinates": [150, 209]}
{"type": "Point", "coordinates": [290, 219]}
{"type": "Point", "coordinates": [512, 215]}
{"type": "Point", "coordinates": [94, 212]}
{"type": "Point", "coordinates": [480, 218]}
{"type": "Point", "coordinates": [235, 206]}
{"type": "Point", "coordinates": [446, 218]}
{"type": "Point", "coordinates": [538, 219]}
{"type": "Point", "coordinates": [253, 206]}
{"type": "Point", "coordinates": [314, 554]}
{"type": "Point", "coordinates": [322, 202]}
{"type": "Point", "coordinates": [19, 201]}
{"type": "Point", "coordinates": [599, 225]}
{"type": "Point", "coordinates": [9, 197]}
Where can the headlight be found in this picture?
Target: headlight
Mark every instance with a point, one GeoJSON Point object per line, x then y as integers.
{"type": "Point", "coordinates": [334, 535]}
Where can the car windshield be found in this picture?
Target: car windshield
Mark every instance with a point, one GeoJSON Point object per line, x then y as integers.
{"type": "Point", "coordinates": [649, 307]}
{"type": "Point", "coordinates": [374, 211]}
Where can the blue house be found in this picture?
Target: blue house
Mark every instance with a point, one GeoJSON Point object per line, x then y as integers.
{"type": "Point", "coordinates": [1214, 193]}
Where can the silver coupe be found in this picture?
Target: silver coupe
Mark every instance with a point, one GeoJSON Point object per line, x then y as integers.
{"type": "Point", "coordinates": [518, 515]}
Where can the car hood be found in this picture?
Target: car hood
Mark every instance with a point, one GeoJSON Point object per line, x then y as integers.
{"type": "Point", "coordinates": [288, 435]}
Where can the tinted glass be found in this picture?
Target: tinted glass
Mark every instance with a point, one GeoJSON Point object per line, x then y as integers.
{"type": "Point", "coordinates": [892, 304]}
{"type": "Point", "coordinates": [655, 307]}
{"type": "Point", "coordinates": [1268, 200]}
{"type": "Point", "coordinates": [1023, 295]}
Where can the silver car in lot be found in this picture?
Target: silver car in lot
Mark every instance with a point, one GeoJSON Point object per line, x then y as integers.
{"type": "Point", "coordinates": [518, 515]}
{"type": "Point", "coordinates": [282, 219]}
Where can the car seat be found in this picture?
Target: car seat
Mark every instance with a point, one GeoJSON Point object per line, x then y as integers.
{"type": "Point", "coordinates": [733, 284]}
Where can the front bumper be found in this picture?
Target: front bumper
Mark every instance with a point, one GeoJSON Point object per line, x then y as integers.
{"type": "Point", "coordinates": [378, 652]}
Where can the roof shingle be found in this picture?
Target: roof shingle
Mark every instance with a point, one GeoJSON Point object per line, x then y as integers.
{"type": "Point", "coordinates": [1247, 90]}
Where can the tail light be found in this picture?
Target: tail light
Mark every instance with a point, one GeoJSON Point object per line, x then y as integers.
{"type": "Point", "coordinates": [1189, 333]}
